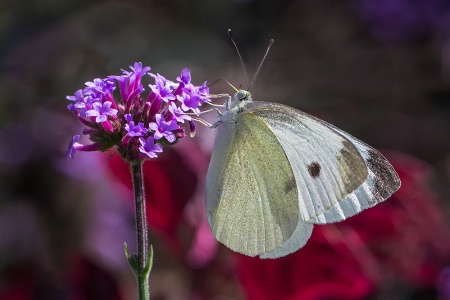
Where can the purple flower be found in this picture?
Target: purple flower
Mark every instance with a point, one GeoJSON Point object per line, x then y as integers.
{"type": "Point", "coordinates": [72, 146]}
{"type": "Point", "coordinates": [162, 81]}
{"type": "Point", "coordinates": [185, 76]}
{"type": "Point", "coordinates": [136, 75]}
{"type": "Point", "coordinates": [138, 70]}
{"type": "Point", "coordinates": [148, 147]}
{"type": "Point", "coordinates": [72, 108]}
{"type": "Point", "coordinates": [126, 117]}
{"type": "Point", "coordinates": [192, 128]}
{"type": "Point", "coordinates": [79, 107]}
{"type": "Point", "coordinates": [133, 130]}
{"type": "Point", "coordinates": [164, 92]}
{"type": "Point", "coordinates": [194, 96]}
{"type": "Point", "coordinates": [190, 102]}
{"type": "Point", "coordinates": [99, 87]}
{"type": "Point", "coordinates": [163, 88]}
{"type": "Point", "coordinates": [139, 89]}
{"type": "Point", "coordinates": [123, 85]}
{"type": "Point", "coordinates": [203, 93]}
{"type": "Point", "coordinates": [164, 128]}
{"type": "Point", "coordinates": [130, 82]}
{"type": "Point", "coordinates": [78, 98]}
{"type": "Point", "coordinates": [101, 111]}
{"type": "Point", "coordinates": [178, 113]}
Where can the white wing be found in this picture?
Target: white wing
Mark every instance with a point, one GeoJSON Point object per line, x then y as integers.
{"type": "Point", "coordinates": [251, 195]}
{"type": "Point", "coordinates": [298, 239]}
{"type": "Point", "coordinates": [337, 175]}
{"type": "Point", "coordinates": [381, 183]}
{"type": "Point", "coordinates": [334, 176]}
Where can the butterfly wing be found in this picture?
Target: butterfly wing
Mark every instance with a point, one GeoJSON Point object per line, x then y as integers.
{"type": "Point", "coordinates": [337, 175]}
{"type": "Point", "coordinates": [381, 183]}
{"type": "Point", "coordinates": [251, 195]}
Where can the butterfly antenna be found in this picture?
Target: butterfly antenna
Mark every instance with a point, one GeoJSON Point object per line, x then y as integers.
{"type": "Point", "coordinates": [262, 61]}
{"type": "Point", "coordinates": [239, 54]}
{"type": "Point", "coordinates": [209, 85]}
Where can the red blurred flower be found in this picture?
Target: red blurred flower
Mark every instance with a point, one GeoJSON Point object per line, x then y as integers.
{"type": "Point", "coordinates": [172, 185]}
{"type": "Point", "coordinates": [400, 238]}
{"type": "Point", "coordinates": [317, 271]}
{"type": "Point", "coordinates": [174, 190]}
{"type": "Point", "coordinates": [169, 185]}
{"type": "Point", "coordinates": [405, 233]}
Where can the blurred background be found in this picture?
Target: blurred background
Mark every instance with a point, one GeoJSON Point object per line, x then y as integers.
{"type": "Point", "coordinates": [379, 69]}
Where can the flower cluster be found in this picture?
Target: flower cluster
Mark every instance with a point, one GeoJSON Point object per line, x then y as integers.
{"type": "Point", "coordinates": [138, 126]}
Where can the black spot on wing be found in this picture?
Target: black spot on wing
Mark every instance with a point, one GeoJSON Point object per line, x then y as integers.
{"type": "Point", "coordinates": [314, 169]}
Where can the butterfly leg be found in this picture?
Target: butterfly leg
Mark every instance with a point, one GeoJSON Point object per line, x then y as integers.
{"type": "Point", "coordinates": [217, 123]}
{"type": "Point", "coordinates": [228, 103]}
{"type": "Point", "coordinates": [216, 96]}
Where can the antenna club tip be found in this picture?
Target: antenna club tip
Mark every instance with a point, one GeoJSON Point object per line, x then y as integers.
{"type": "Point", "coordinates": [271, 41]}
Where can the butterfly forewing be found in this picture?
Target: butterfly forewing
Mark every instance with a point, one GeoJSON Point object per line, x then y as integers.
{"type": "Point", "coordinates": [381, 183]}
{"type": "Point", "coordinates": [337, 175]}
{"type": "Point", "coordinates": [252, 197]}
{"type": "Point", "coordinates": [327, 167]}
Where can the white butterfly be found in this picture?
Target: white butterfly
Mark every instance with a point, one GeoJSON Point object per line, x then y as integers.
{"type": "Point", "coordinates": [276, 171]}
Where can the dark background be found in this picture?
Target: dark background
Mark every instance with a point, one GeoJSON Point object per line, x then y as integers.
{"type": "Point", "coordinates": [377, 69]}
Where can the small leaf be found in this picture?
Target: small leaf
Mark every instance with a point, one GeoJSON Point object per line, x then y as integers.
{"type": "Point", "coordinates": [132, 259]}
{"type": "Point", "coordinates": [148, 267]}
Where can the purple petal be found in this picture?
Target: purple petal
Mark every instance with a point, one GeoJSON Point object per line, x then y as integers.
{"type": "Point", "coordinates": [185, 76]}
{"type": "Point", "coordinates": [128, 118]}
{"type": "Point", "coordinates": [71, 148]}
{"type": "Point", "coordinates": [148, 147]}
{"type": "Point", "coordinates": [192, 128]}
{"type": "Point", "coordinates": [170, 137]}
{"type": "Point", "coordinates": [178, 113]}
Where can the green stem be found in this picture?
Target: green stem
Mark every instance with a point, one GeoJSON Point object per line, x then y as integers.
{"type": "Point", "coordinates": [143, 262]}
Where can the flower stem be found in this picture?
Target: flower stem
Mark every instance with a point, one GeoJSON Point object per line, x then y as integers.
{"type": "Point", "coordinates": [143, 259]}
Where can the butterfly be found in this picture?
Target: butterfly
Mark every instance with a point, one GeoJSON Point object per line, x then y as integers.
{"type": "Point", "coordinates": [275, 171]}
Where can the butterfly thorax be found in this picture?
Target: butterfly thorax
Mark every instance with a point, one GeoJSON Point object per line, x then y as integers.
{"type": "Point", "coordinates": [237, 105]}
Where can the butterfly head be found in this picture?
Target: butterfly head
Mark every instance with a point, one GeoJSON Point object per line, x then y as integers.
{"type": "Point", "coordinates": [242, 95]}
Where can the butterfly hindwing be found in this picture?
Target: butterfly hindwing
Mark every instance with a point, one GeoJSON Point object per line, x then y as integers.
{"type": "Point", "coordinates": [252, 204]}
